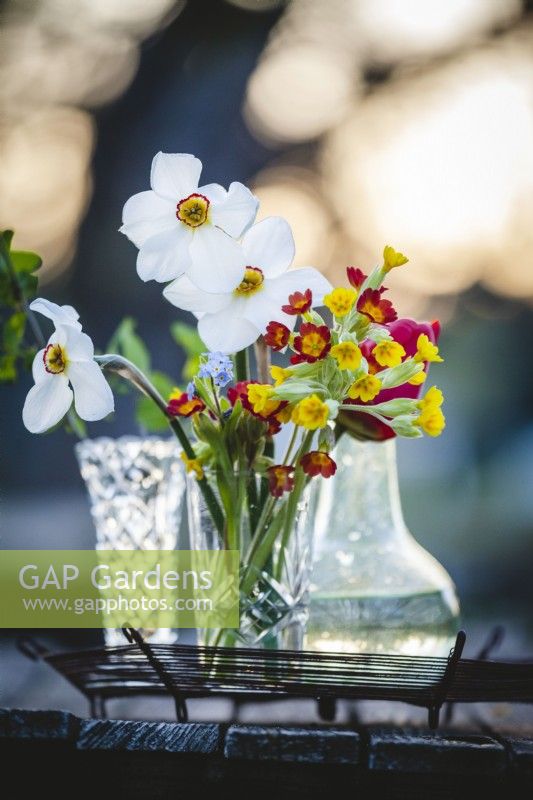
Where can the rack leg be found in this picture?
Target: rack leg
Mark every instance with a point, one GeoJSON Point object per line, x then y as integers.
{"type": "Point", "coordinates": [97, 707]}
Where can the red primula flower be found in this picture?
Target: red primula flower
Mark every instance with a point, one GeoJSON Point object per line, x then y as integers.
{"type": "Point", "coordinates": [274, 426]}
{"type": "Point", "coordinates": [356, 277]}
{"type": "Point", "coordinates": [318, 463]}
{"type": "Point", "coordinates": [375, 307]}
{"type": "Point", "coordinates": [280, 480]}
{"type": "Point", "coordinates": [240, 392]}
{"type": "Point", "coordinates": [182, 406]}
{"type": "Point", "coordinates": [312, 343]}
{"type": "Point", "coordinates": [277, 335]}
{"type": "Point", "coordinates": [299, 303]}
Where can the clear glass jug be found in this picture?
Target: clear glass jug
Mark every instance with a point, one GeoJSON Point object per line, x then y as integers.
{"type": "Point", "coordinates": [374, 588]}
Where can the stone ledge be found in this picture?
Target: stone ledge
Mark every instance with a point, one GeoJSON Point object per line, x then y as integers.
{"type": "Point", "coordinates": [419, 752]}
{"type": "Point", "coordinates": [168, 737]}
{"type": "Point", "coordinates": [43, 725]}
{"type": "Point", "coordinates": [300, 745]}
{"type": "Point", "coordinates": [377, 753]}
{"type": "Point", "coordinates": [521, 753]}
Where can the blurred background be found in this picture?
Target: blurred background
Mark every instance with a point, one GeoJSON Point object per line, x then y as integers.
{"type": "Point", "coordinates": [363, 122]}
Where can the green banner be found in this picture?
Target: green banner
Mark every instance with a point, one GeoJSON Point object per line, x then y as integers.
{"type": "Point", "coordinates": [146, 589]}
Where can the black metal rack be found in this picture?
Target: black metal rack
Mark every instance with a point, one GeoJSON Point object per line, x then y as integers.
{"type": "Point", "coordinates": [185, 671]}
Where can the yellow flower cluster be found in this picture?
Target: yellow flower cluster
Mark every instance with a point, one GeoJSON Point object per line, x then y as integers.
{"type": "Point", "coordinates": [392, 258]}
{"type": "Point", "coordinates": [310, 413]}
{"type": "Point", "coordinates": [347, 355]}
{"type": "Point", "coordinates": [365, 388]}
{"type": "Point", "coordinates": [388, 354]}
{"type": "Point", "coordinates": [340, 301]}
{"type": "Point", "coordinates": [279, 374]}
{"type": "Point", "coordinates": [426, 350]}
{"type": "Point", "coordinates": [193, 465]}
{"type": "Point", "coordinates": [431, 419]}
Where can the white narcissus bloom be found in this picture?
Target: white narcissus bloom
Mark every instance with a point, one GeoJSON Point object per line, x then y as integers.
{"type": "Point", "coordinates": [232, 320]}
{"type": "Point", "coordinates": [67, 359]}
{"type": "Point", "coordinates": [181, 228]}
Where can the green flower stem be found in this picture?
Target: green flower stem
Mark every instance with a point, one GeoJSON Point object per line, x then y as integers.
{"type": "Point", "coordinates": [242, 365]}
{"type": "Point", "coordinates": [121, 366]}
{"type": "Point", "coordinates": [365, 410]}
{"type": "Point", "coordinates": [263, 550]}
{"type": "Point", "coordinates": [292, 503]}
{"type": "Point", "coordinates": [269, 453]}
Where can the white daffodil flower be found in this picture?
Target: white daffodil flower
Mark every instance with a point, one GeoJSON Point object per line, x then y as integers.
{"type": "Point", "coordinates": [183, 229]}
{"type": "Point", "coordinates": [68, 359]}
{"type": "Point", "coordinates": [232, 320]}
{"type": "Point", "coordinates": [60, 315]}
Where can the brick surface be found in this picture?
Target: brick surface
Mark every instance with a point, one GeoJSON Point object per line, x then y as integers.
{"type": "Point", "coordinates": [521, 755]}
{"type": "Point", "coordinates": [167, 737]}
{"type": "Point", "coordinates": [303, 745]}
{"type": "Point", "coordinates": [45, 725]}
{"type": "Point", "coordinates": [437, 753]}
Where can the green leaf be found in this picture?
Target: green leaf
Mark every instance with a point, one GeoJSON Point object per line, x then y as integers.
{"type": "Point", "coordinates": [190, 368]}
{"type": "Point", "coordinates": [25, 261]}
{"type": "Point", "coordinates": [8, 370]}
{"type": "Point", "coordinates": [148, 415]}
{"type": "Point", "coordinates": [127, 343]}
{"type": "Point", "coordinates": [13, 333]}
{"type": "Point", "coordinates": [75, 424]}
{"type": "Point", "coordinates": [187, 337]}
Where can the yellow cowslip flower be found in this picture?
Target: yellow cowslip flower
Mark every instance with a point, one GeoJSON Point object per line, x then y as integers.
{"type": "Point", "coordinates": [432, 399]}
{"type": "Point", "coordinates": [365, 388]}
{"type": "Point", "coordinates": [431, 420]}
{"type": "Point", "coordinates": [392, 258]}
{"type": "Point", "coordinates": [285, 415]}
{"type": "Point", "coordinates": [259, 395]}
{"type": "Point", "coordinates": [311, 413]}
{"type": "Point", "coordinates": [279, 374]}
{"type": "Point", "coordinates": [388, 354]}
{"type": "Point", "coordinates": [347, 355]}
{"type": "Point", "coordinates": [426, 350]}
{"type": "Point", "coordinates": [340, 301]}
{"type": "Point", "coordinates": [193, 465]}
{"type": "Point", "coordinates": [418, 379]}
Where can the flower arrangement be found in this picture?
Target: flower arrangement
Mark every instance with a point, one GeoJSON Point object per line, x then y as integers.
{"type": "Point", "coordinates": [354, 368]}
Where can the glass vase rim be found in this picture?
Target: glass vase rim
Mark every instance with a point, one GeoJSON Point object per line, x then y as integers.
{"type": "Point", "coordinates": [98, 442]}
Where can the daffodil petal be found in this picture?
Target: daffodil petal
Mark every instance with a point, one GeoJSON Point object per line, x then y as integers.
{"type": "Point", "coordinates": [236, 212]}
{"type": "Point", "coordinates": [217, 261]}
{"type": "Point", "coordinates": [182, 293]}
{"type": "Point", "coordinates": [265, 307]}
{"type": "Point", "coordinates": [46, 403]}
{"type": "Point", "coordinates": [226, 333]}
{"type": "Point", "coordinates": [37, 368]}
{"type": "Point", "coordinates": [146, 214]}
{"type": "Point", "coordinates": [60, 315]}
{"type": "Point", "coordinates": [78, 345]}
{"type": "Point", "coordinates": [166, 255]}
{"type": "Point", "coordinates": [214, 192]}
{"type": "Point", "coordinates": [269, 245]}
{"type": "Point", "coordinates": [175, 175]}
{"type": "Point", "coordinates": [93, 397]}
{"type": "Point", "coordinates": [297, 280]}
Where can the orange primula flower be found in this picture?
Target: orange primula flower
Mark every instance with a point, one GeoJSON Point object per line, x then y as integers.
{"type": "Point", "coordinates": [277, 335]}
{"type": "Point", "coordinates": [318, 463]}
{"type": "Point", "coordinates": [299, 303]}
{"type": "Point", "coordinates": [280, 479]}
{"type": "Point", "coordinates": [312, 343]}
{"type": "Point", "coordinates": [180, 405]}
{"type": "Point", "coordinates": [372, 304]}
